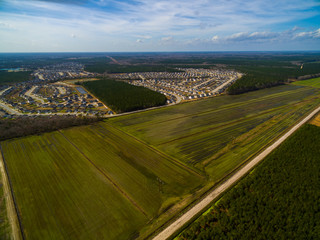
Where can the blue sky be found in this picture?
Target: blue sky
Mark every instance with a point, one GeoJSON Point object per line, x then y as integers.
{"type": "Point", "coordinates": [158, 25]}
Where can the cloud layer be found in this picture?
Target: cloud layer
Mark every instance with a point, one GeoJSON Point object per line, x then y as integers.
{"type": "Point", "coordinates": [157, 25]}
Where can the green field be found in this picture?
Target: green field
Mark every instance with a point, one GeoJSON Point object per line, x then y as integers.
{"type": "Point", "coordinates": [124, 177]}
{"type": "Point", "coordinates": [217, 134]}
{"type": "Point", "coordinates": [280, 199]}
{"type": "Point", "coordinates": [314, 82]}
{"type": "Point", "coordinates": [99, 183]}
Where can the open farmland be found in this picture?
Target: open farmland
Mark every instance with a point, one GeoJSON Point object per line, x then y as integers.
{"type": "Point", "coordinates": [278, 200]}
{"type": "Point", "coordinates": [314, 82]}
{"type": "Point", "coordinates": [216, 135]}
{"type": "Point", "coordinates": [94, 180]}
{"type": "Point", "coordinates": [124, 177]}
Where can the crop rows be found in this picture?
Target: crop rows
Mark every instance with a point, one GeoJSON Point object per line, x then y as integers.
{"type": "Point", "coordinates": [94, 180]}
{"type": "Point", "coordinates": [195, 138]}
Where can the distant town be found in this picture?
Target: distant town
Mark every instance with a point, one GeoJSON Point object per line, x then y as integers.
{"type": "Point", "coordinates": [51, 90]}
{"type": "Point", "coordinates": [187, 84]}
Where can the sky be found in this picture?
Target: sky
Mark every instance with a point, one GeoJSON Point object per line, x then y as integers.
{"type": "Point", "coordinates": [159, 25]}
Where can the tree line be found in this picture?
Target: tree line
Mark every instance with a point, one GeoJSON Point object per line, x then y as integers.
{"type": "Point", "coordinates": [259, 77]}
{"type": "Point", "coordinates": [26, 125]}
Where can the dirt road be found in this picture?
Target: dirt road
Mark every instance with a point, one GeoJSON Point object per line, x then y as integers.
{"type": "Point", "coordinates": [11, 210]}
{"type": "Point", "coordinates": [181, 221]}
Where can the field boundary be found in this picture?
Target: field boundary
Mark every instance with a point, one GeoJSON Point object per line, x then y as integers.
{"type": "Point", "coordinates": [227, 106]}
{"type": "Point", "coordinates": [171, 159]}
{"type": "Point", "coordinates": [216, 192]}
{"type": "Point", "coordinates": [13, 214]}
{"type": "Point", "coordinates": [115, 185]}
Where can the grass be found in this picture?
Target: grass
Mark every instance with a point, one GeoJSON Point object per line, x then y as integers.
{"type": "Point", "coordinates": [218, 134]}
{"type": "Point", "coordinates": [316, 120]}
{"type": "Point", "coordinates": [95, 180]}
{"type": "Point", "coordinates": [124, 177]}
{"type": "Point", "coordinates": [314, 82]}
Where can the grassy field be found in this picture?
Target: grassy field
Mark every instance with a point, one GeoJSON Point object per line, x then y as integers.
{"type": "Point", "coordinates": [278, 200]}
{"type": "Point", "coordinates": [314, 82]}
{"type": "Point", "coordinates": [99, 183]}
{"type": "Point", "coordinates": [218, 134]}
{"type": "Point", "coordinates": [316, 120]}
{"type": "Point", "coordinates": [122, 178]}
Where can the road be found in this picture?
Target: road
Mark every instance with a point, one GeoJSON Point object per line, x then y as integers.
{"type": "Point", "coordinates": [181, 221]}
{"type": "Point", "coordinates": [113, 60]}
{"type": "Point", "coordinates": [29, 93]}
{"type": "Point", "coordinates": [225, 83]}
{"type": "Point", "coordinates": [1, 92]}
{"type": "Point", "coordinates": [11, 210]}
{"type": "Point", "coordinates": [9, 109]}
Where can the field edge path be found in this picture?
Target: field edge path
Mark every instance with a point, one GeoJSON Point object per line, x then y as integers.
{"type": "Point", "coordinates": [12, 211]}
{"type": "Point", "coordinates": [187, 216]}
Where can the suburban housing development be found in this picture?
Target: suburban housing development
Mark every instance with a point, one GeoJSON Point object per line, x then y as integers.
{"type": "Point", "coordinates": [47, 93]}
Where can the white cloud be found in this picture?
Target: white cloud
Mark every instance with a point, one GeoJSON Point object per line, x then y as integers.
{"type": "Point", "coordinates": [144, 36]}
{"type": "Point", "coordinates": [311, 34]}
{"type": "Point", "coordinates": [255, 36]}
{"type": "Point", "coordinates": [215, 38]}
{"type": "Point", "coordinates": [150, 20]}
{"type": "Point", "coordinates": [166, 39]}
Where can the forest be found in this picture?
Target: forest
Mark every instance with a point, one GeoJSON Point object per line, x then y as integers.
{"type": "Point", "coordinates": [12, 128]}
{"type": "Point", "coordinates": [113, 68]}
{"type": "Point", "coordinates": [280, 199]}
{"type": "Point", "coordinates": [13, 77]}
{"type": "Point", "coordinates": [265, 76]}
{"type": "Point", "coordinates": [123, 97]}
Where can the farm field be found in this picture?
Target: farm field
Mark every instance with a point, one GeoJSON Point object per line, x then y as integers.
{"type": "Point", "coordinates": [279, 199]}
{"type": "Point", "coordinates": [124, 177]}
{"type": "Point", "coordinates": [314, 82]}
{"type": "Point", "coordinates": [95, 180]}
{"type": "Point", "coordinates": [218, 134]}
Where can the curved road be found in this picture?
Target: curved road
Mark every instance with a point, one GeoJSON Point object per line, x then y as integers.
{"type": "Point", "coordinates": [181, 221]}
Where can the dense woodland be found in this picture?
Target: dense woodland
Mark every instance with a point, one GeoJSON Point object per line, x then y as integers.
{"type": "Point", "coordinates": [12, 77]}
{"type": "Point", "coordinates": [280, 199]}
{"type": "Point", "coordinates": [258, 77]}
{"type": "Point", "coordinates": [24, 126]}
{"type": "Point", "coordinates": [114, 68]}
{"type": "Point", "coordinates": [123, 97]}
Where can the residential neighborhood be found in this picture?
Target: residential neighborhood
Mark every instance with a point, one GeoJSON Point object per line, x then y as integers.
{"type": "Point", "coordinates": [61, 71]}
{"type": "Point", "coordinates": [50, 91]}
{"type": "Point", "coordinates": [185, 84]}
{"type": "Point", "coordinates": [47, 99]}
